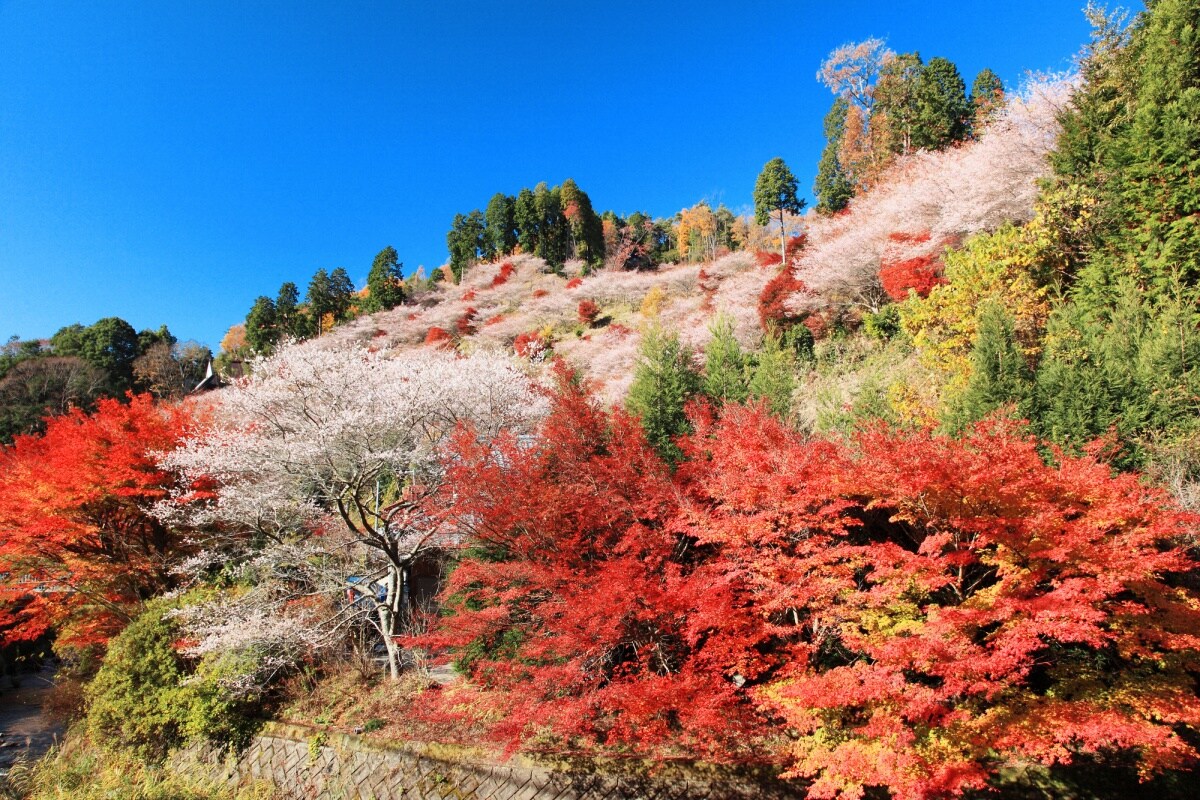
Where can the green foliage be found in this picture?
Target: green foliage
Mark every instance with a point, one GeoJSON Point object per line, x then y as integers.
{"type": "Point", "coordinates": [525, 217]}
{"type": "Point", "coordinates": [84, 771]}
{"type": "Point", "coordinates": [290, 320]}
{"type": "Point", "coordinates": [943, 112]}
{"type": "Point", "coordinates": [724, 364]}
{"type": "Point", "coordinates": [664, 380]}
{"type": "Point", "coordinates": [833, 185]}
{"type": "Point", "coordinates": [586, 229]}
{"type": "Point", "coordinates": [773, 379]}
{"type": "Point", "coordinates": [1121, 353]}
{"type": "Point", "coordinates": [775, 192]}
{"type": "Point", "coordinates": [987, 97]}
{"type": "Point", "coordinates": [110, 345]}
{"type": "Point", "coordinates": [553, 232]}
{"type": "Point", "coordinates": [1134, 371]}
{"type": "Point", "coordinates": [895, 112]}
{"type": "Point", "coordinates": [500, 217]}
{"type": "Point", "coordinates": [262, 325]}
{"type": "Point", "coordinates": [1000, 375]}
{"type": "Point", "coordinates": [465, 242]}
{"type": "Point", "coordinates": [385, 282]}
{"type": "Point", "coordinates": [144, 700]}
{"type": "Point", "coordinates": [883, 324]}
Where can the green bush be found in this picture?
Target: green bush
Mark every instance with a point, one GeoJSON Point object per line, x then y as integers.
{"type": "Point", "coordinates": [144, 699]}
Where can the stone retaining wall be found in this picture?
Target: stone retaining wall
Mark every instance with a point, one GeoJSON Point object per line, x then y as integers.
{"type": "Point", "coordinates": [307, 764]}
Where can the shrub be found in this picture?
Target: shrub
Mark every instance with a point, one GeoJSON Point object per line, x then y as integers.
{"type": "Point", "coordinates": [439, 336]}
{"type": "Point", "coordinates": [466, 323]}
{"type": "Point", "coordinates": [531, 345]}
{"type": "Point", "coordinates": [144, 700]}
{"type": "Point", "coordinates": [919, 274]}
{"type": "Point", "coordinates": [772, 303]}
{"type": "Point", "coordinates": [506, 271]}
{"type": "Point", "coordinates": [588, 312]}
{"type": "Point", "coordinates": [574, 283]}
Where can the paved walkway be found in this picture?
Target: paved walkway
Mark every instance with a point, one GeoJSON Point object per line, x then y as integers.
{"type": "Point", "coordinates": [24, 731]}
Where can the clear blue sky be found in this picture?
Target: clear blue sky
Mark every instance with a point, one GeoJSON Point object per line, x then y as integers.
{"type": "Point", "coordinates": [167, 162]}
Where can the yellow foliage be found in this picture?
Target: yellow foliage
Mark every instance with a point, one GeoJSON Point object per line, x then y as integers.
{"type": "Point", "coordinates": [653, 302]}
{"type": "Point", "coordinates": [234, 339]}
{"type": "Point", "coordinates": [1008, 267]}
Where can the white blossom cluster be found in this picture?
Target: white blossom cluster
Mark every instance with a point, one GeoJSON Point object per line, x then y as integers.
{"type": "Point", "coordinates": [311, 420]}
{"type": "Point", "coordinates": [948, 195]}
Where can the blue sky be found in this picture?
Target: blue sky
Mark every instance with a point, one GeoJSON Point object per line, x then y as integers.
{"type": "Point", "coordinates": [167, 162]}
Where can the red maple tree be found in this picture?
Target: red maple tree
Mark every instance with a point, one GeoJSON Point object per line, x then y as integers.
{"type": "Point", "coordinates": [905, 611]}
{"type": "Point", "coordinates": [79, 551]}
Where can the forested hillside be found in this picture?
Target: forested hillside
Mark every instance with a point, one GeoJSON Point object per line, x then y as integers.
{"type": "Point", "coordinates": [897, 496]}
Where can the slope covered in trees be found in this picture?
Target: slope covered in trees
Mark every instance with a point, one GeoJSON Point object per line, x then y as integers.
{"type": "Point", "coordinates": [895, 498]}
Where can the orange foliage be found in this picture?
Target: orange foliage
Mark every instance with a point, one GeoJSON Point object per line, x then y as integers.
{"type": "Point", "coordinates": [904, 611]}
{"type": "Point", "coordinates": [439, 336]}
{"type": "Point", "coordinates": [79, 551]}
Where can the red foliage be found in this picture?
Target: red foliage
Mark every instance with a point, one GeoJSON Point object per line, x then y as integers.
{"type": "Point", "coordinates": [900, 237]}
{"type": "Point", "coordinates": [439, 336]}
{"type": "Point", "coordinates": [465, 325]}
{"type": "Point", "coordinates": [767, 258]}
{"type": "Point", "coordinates": [575, 283]}
{"type": "Point", "coordinates": [905, 611]}
{"type": "Point", "coordinates": [772, 303]}
{"type": "Point", "coordinates": [78, 548]}
{"type": "Point", "coordinates": [907, 264]}
{"type": "Point", "coordinates": [411, 316]}
{"type": "Point", "coordinates": [506, 271]}
{"type": "Point", "coordinates": [919, 274]}
{"type": "Point", "coordinates": [530, 344]}
{"type": "Point", "coordinates": [379, 333]}
{"type": "Point", "coordinates": [468, 295]}
{"type": "Point", "coordinates": [794, 245]}
{"type": "Point", "coordinates": [493, 320]}
{"type": "Point", "coordinates": [588, 312]}
{"type": "Point", "coordinates": [817, 324]}
{"type": "Point", "coordinates": [620, 330]}
{"type": "Point", "coordinates": [540, 293]}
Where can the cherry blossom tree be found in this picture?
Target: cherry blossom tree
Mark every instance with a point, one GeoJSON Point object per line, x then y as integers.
{"type": "Point", "coordinates": [337, 448]}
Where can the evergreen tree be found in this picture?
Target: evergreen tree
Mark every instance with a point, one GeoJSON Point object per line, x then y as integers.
{"type": "Point", "coordinates": [1000, 374]}
{"type": "Point", "coordinates": [291, 322]}
{"type": "Point", "coordinates": [464, 242]}
{"type": "Point", "coordinates": [775, 195]}
{"type": "Point", "coordinates": [724, 364]}
{"type": "Point", "coordinates": [385, 282]}
{"type": "Point", "coordinates": [554, 235]}
{"type": "Point", "coordinates": [341, 290]}
{"type": "Point", "coordinates": [586, 229]}
{"type": "Point", "coordinates": [774, 377]}
{"type": "Point", "coordinates": [664, 380]}
{"type": "Point", "coordinates": [895, 115]}
{"type": "Point", "coordinates": [942, 112]}
{"type": "Point", "coordinates": [527, 221]}
{"type": "Point", "coordinates": [262, 330]}
{"type": "Point", "coordinates": [501, 233]}
{"type": "Point", "coordinates": [319, 300]}
{"type": "Point", "coordinates": [833, 186]}
{"type": "Point", "coordinates": [109, 344]}
{"type": "Point", "coordinates": [987, 98]}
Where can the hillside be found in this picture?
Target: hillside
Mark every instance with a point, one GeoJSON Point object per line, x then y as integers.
{"type": "Point", "coordinates": [896, 498]}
